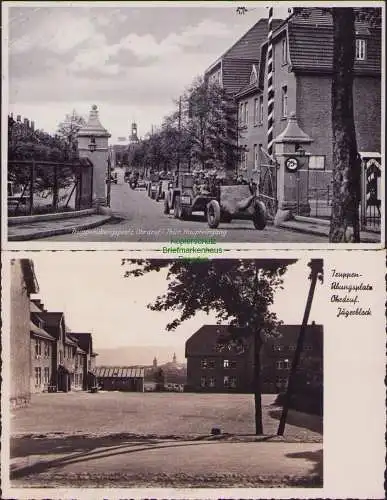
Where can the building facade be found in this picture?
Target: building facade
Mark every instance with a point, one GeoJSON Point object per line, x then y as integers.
{"type": "Point", "coordinates": [210, 369]}
{"type": "Point", "coordinates": [23, 284]}
{"type": "Point", "coordinates": [120, 378]}
{"type": "Point", "coordinates": [302, 78]}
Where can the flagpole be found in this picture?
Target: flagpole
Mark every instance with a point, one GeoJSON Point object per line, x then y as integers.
{"type": "Point", "coordinates": [270, 87]}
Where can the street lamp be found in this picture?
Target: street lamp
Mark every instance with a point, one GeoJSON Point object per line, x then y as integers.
{"type": "Point", "coordinates": [92, 144]}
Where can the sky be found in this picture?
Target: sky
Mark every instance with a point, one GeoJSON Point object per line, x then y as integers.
{"type": "Point", "coordinates": [90, 289]}
{"type": "Point", "coordinates": [131, 59]}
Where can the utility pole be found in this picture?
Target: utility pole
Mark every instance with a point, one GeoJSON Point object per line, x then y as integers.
{"type": "Point", "coordinates": [179, 140]}
{"type": "Point", "coordinates": [316, 266]}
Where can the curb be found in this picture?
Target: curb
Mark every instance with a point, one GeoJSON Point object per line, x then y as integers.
{"type": "Point", "coordinates": [321, 232]}
{"type": "Point", "coordinates": [30, 219]}
{"type": "Point", "coordinates": [58, 231]}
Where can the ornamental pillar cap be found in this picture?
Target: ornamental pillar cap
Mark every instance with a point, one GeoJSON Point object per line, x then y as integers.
{"type": "Point", "coordinates": [293, 133]}
{"type": "Point", "coordinates": [93, 126]}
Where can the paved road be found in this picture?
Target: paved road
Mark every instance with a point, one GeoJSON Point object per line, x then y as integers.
{"type": "Point", "coordinates": [138, 218]}
{"type": "Point", "coordinates": [192, 461]}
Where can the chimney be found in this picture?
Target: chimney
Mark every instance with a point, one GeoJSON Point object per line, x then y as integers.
{"type": "Point", "coordinates": [26, 122]}
{"type": "Point", "coordinates": [32, 125]}
{"type": "Point", "coordinates": [18, 118]}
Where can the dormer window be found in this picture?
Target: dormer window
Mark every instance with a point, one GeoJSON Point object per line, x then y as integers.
{"type": "Point", "coordinates": [284, 51]}
{"type": "Point", "coordinates": [360, 54]}
{"type": "Point", "coordinates": [253, 75]}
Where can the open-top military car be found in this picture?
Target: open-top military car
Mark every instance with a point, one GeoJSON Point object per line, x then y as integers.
{"type": "Point", "coordinates": [219, 200]}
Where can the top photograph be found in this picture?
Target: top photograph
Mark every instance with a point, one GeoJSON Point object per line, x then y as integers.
{"type": "Point", "coordinates": [136, 123]}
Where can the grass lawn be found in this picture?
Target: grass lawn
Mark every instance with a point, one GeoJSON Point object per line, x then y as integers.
{"type": "Point", "coordinates": [159, 414]}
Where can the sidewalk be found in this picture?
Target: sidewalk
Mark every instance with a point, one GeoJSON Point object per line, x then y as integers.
{"type": "Point", "coordinates": [319, 227]}
{"type": "Point", "coordinates": [47, 228]}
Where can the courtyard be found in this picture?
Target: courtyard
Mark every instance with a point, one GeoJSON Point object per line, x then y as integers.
{"type": "Point", "coordinates": [116, 439]}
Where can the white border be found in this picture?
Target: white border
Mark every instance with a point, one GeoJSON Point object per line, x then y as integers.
{"type": "Point", "coordinates": [111, 245]}
{"type": "Point", "coordinates": [354, 393]}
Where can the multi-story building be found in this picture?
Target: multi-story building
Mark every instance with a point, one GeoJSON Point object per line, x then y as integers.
{"type": "Point", "coordinates": [302, 78]}
{"type": "Point", "coordinates": [23, 284]}
{"type": "Point", "coordinates": [42, 348]}
{"type": "Point", "coordinates": [86, 358]}
{"type": "Point", "coordinates": [210, 369]}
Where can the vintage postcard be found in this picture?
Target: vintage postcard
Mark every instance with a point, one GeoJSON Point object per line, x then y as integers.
{"type": "Point", "coordinates": [131, 124]}
{"type": "Point", "coordinates": [224, 378]}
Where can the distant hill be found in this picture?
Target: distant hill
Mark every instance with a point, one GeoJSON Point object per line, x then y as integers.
{"type": "Point", "coordinates": [137, 355]}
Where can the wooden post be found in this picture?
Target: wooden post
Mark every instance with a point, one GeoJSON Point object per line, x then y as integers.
{"type": "Point", "coordinates": [32, 175]}
{"type": "Point", "coordinates": [315, 265]}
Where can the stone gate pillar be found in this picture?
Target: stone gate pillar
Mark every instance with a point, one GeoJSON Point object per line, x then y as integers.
{"type": "Point", "coordinates": [292, 174]}
{"type": "Point", "coordinates": [93, 144]}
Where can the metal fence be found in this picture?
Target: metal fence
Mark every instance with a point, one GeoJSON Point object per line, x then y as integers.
{"type": "Point", "coordinates": [40, 187]}
{"type": "Point", "coordinates": [371, 199]}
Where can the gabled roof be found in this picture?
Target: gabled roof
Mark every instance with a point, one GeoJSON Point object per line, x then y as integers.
{"type": "Point", "coordinates": [84, 340]}
{"type": "Point", "coordinates": [118, 372]}
{"type": "Point", "coordinates": [236, 73]}
{"type": "Point", "coordinates": [203, 342]}
{"type": "Point", "coordinates": [310, 36]}
{"type": "Point", "coordinates": [39, 332]}
{"type": "Point", "coordinates": [247, 47]}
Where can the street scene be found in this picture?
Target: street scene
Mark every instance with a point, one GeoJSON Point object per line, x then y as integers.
{"type": "Point", "coordinates": [158, 403]}
{"type": "Point", "coordinates": [242, 140]}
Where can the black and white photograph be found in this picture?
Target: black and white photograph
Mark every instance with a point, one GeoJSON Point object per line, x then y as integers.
{"type": "Point", "coordinates": [141, 122]}
{"type": "Point", "coordinates": [158, 378]}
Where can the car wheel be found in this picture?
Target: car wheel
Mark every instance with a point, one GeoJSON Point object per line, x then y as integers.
{"type": "Point", "coordinates": [259, 216]}
{"type": "Point", "coordinates": [213, 214]}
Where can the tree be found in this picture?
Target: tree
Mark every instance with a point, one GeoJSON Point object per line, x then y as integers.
{"type": "Point", "coordinates": [344, 226]}
{"type": "Point", "coordinates": [68, 130]}
{"type": "Point", "coordinates": [210, 121]}
{"type": "Point", "coordinates": [239, 291]}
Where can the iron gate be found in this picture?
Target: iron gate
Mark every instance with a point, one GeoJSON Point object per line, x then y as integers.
{"type": "Point", "coordinates": [371, 199]}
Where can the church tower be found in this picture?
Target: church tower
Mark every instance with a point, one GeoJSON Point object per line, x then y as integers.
{"type": "Point", "coordinates": [133, 138]}
{"type": "Point", "coordinates": [174, 358]}
{"type": "Point", "coordinates": [155, 362]}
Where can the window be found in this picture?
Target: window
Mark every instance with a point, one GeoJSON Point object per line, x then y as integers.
{"type": "Point", "coordinates": [232, 364]}
{"type": "Point", "coordinates": [256, 111]}
{"type": "Point", "coordinates": [279, 365]}
{"type": "Point", "coordinates": [287, 364]}
{"type": "Point", "coordinates": [46, 350]}
{"type": "Point", "coordinates": [292, 347]}
{"type": "Point", "coordinates": [61, 357]}
{"type": "Point", "coordinates": [211, 363]}
{"type": "Point", "coordinates": [260, 109]}
{"type": "Point", "coordinates": [246, 114]}
{"type": "Point", "coordinates": [226, 363]}
{"type": "Point", "coordinates": [38, 348]}
{"type": "Point", "coordinates": [278, 347]}
{"type": "Point", "coordinates": [211, 382]}
{"type": "Point", "coordinates": [203, 381]}
{"type": "Point", "coordinates": [226, 381]}
{"type": "Point", "coordinates": [360, 49]}
{"type": "Point", "coordinates": [256, 157]}
{"type": "Point", "coordinates": [284, 99]}
{"type": "Point", "coordinates": [233, 382]}
{"type": "Point", "coordinates": [38, 376]}
{"type": "Point", "coordinates": [46, 375]}
{"type": "Point", "coordinates": [89, 365]}
{"type": "Point", "coordinates": [284, 51]}
{"type": "Point", "coordinates": [204, 363]}
{"type": "Point", "coordinates": [317, 162]}
{"type": "Point", "coordinates": [241, 113]}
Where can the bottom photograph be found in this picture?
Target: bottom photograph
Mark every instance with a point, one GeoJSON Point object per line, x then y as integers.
{"type": "Point", "coordinates": [165, 373]}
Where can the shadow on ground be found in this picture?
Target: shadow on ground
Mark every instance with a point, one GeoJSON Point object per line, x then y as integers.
{"type": "Point", "coordinates": [313, 423]}
{"type": "Point", "coordinates": [315, 457]}
{"type": "Point", "coordinates": [91, 452]}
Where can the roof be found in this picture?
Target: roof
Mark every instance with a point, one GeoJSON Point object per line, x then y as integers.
{"type": "Point", "coordinates": [27, 267]}
{"type": "Point", "coordinates": [34, 308]}
{"type": "Point", "coordinates": [84, 340]}
{"type": "Point", "coordinates": [247, 47]}
{"type": "Point", "coordinates": [52, 318]}
{"type": "Point", "coordinates": [118, 372]}
{"type": "Point", "coordinates": [70, 341]}
{"type": "Point", "coordinates": [39, 332]}
{"type": "Point", "coordinates": [236, 73]}
{"type": "Point", "coordinates": [203, 342]}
